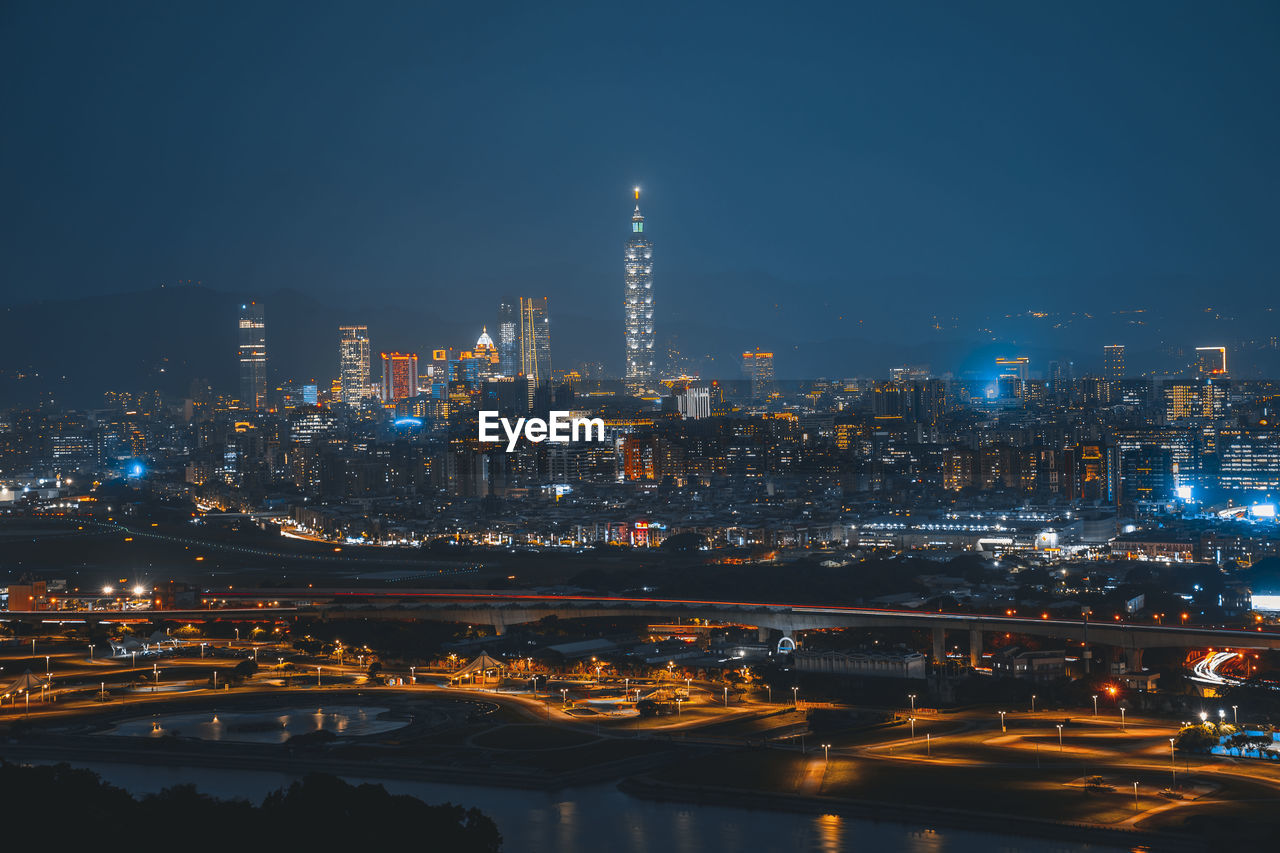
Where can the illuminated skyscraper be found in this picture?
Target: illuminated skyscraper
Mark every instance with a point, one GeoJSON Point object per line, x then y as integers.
{"type": "Point", "coordinates": [253, 356]}
{"type": "Point", "coordinates": [535, 339]}
{"type": "Point", "coordinates": [1113, 362]}
{"type": "Point", "coordinates": [758, 367]}
{"type": "Point", "coordinates": [508, 348]}
{"type": "Point", "coordinates": [1211, 361]}
{"type": "Point", "coordinates": [637, 305]}
{"type": "Point", "coordinates": [353, 363]}
{"type": "Point", "coordinates": [399, 376]}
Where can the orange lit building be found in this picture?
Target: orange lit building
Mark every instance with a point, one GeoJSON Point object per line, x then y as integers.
{"type": "Point", "coordinates": [399, 376]}
{"type": "Point", "coordinates": [29, 595]}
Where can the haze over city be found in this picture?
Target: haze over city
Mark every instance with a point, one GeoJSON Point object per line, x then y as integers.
{"type": "Point", "coordinates": [853, 187]}
{"type": "Point", "coordinates": [572, 427]}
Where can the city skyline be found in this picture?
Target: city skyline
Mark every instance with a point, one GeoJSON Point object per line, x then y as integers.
{"type": "Point", "coordinates": [833, 426]}
{"type": "Point", "coordinates": [1105, 195]}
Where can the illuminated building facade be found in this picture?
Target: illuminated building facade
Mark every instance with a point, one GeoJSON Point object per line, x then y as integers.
{"type": "Point", "coordinates": [253, 356]}
{"type": "Point", "coordinates": [1012, 376]}
{"type": "Point", "coordinates": [480, 363]}
{"type": "Point", "coordinates": [637, 306]}
{"type": "Point", "coordinates": [535, 339]}
{"type": "Point", "coordinates": [1147, 474]}
{"type": "Point", "coordinates": [399, 376]}
{"type": "Point", "coordinates": [1251, 461]}
{"type": "Point", "coordinates": [508, 339]}
{"type": "Point", "coordinates": [1113, 362]}
{"type": "Point", "coordinates": [694, 402]}
{"type": "Point", "coordinates": [1211, 361]}
{"type": "Point", "coordinates": [353, 363]}
{"type": "Point", "coordinates": [1193, 399]}
{"type": "Point", "coordinates": [758, 367]}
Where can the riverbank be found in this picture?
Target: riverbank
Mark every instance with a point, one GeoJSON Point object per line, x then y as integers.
{"type": "Point", "coordinates": [644, 787]}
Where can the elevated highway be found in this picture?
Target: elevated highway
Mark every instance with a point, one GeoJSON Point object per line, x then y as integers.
{"type": "Point", "coordinates": [93, 617]}
{"type": "Point", "coordinates": [502, 609]}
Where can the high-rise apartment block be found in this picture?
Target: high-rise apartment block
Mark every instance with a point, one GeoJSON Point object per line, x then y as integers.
{"type": "Point", "coordinates": [253, 356]}
{"type": "Point", "coordinates": [353, 363]}
{"type": "Point", "coordinates": [1113, 362]}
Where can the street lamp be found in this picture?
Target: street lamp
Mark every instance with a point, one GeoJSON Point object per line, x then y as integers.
{"type": "Point", "coordinates": [1122, 719]}
{"type": "Point", "coordinates": [317, 676]}
{"type": "Point", "coordinates": [726, 697]}
{"type": "Point", "coordinates": [1002, 728]}
{"type": "Point", "coordinates": [928, 745]}
{"type": "Point", "coordinates": [1033, 703]}
{"type": "Point", "coordinates": [913, 728]}
{"type": "Point", "coordinates": [1059, 737]}
{"type": "Point", "coordinates": [795, 696]}
{"type": "Point", "coordinates": [826, 752]}
{"type": "Point", "coordinates": [1095, 704]}
{"type": "Point", "coordinates": [413, 678]}
{"type": "Point", "coordinates": [564, 695]}
{"type": "Point", "coordinates": [91, 648]}
{"type": "Point", "coordinates": [1235, 717]}
{"type": "Point", "coordinates": [769, 687]}
{"type": "Point", "coordinates": [912, 697]}
{"type": "Point", "coordinates": [1173, 764]}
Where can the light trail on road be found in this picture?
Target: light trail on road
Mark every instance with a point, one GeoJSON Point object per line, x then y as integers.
{"type": "Point", "coordinates": [1205, 670]}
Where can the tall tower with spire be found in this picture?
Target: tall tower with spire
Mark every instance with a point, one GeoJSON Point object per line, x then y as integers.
{"type": "Point", "coordinates": [637, 306]}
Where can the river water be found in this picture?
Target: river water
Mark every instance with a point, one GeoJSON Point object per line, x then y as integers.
{"type": "Point", "coordinates": [599, 817]}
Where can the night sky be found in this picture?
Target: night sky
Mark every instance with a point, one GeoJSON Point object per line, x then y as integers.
{"type": "Point", "coordinates": [810, 173]}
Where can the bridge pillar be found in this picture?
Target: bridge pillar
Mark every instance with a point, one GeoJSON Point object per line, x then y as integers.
{"type": "Point", "coordinates": [939, 646]}
{"type": "Point", "coordinates": [499, 625]}
{"type": "Point", "coordinates": [975, 647]}
{"type": "Point", "coordinates": [1133, 660]}
{"type": "Point", "coordinates": [763, 634]}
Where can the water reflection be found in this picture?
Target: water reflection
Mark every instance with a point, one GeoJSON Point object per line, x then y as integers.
{"type": "Point", "coordinates": [261, 727]}
{"type": "Point", "coordinates": [599, 817]}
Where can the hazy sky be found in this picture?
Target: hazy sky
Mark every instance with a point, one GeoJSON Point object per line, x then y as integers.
{"type": "Point", "coordinates": [804, 165]}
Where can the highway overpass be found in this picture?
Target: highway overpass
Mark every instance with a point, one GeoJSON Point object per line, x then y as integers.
{"type": "Point", "coordinates": [503, 609]}
{"type": "Point", "coordinates": [116, 617]}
